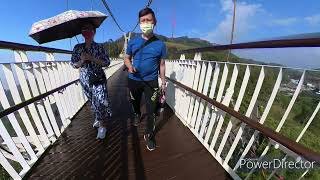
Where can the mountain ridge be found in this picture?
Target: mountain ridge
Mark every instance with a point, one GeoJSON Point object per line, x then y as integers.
{"type": "Point", "coordinates": [182, 43]}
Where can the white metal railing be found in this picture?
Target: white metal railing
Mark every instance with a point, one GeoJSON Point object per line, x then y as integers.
{"type": "Point", "coordinates": [26, 133]}
{"type": "Point", "coordinates": [251, 90]}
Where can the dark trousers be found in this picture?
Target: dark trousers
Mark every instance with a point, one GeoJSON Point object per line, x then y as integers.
{"type": "Point", "coordinates": [151, 93]}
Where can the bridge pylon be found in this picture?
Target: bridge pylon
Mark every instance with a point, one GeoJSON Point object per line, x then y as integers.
{"type": "Point", "coordinates": [126, 40]}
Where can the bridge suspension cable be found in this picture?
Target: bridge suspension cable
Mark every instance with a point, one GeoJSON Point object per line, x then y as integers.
{"type": "Point", "coordinates": [112, 16]}
{"type": "Point", "coordinates": [114, 19]}
{"type": "Point", "coordinates": [232, 30]}
{"type": "Point", "coordinates": [126, 38]}
{"type": "Point", "coordinates": [147, 6]}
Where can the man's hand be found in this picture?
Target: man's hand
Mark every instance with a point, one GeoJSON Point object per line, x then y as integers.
{"type": "Point", "coordinates": [163, 86]}
{"type": "Point", "coordinates": [128, 63]}
{"type": "Point", "coordinates": [132, 69]}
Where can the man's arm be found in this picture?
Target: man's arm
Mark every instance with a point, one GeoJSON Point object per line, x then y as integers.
{"type": "Point", "coordinates": [128, 58]}
{"type": "Point", "coordinates": [163, 66]}
{"type": "Point", "coordinates": [127, 62]}
{"type": "Point", "coordinates": [163, 72]}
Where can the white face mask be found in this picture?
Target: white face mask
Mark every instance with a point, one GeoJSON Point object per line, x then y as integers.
{"type": "Point", "coordinates": [146, 28]}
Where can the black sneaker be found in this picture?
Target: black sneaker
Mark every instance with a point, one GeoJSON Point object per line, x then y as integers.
{"type": "Point", "coordinates": [151, 145]}
{"type": "Point", "coordinates": [136, 120]}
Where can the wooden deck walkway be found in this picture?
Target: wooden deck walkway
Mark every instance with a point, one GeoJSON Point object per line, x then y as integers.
{"type": "Point", "coordinates": [123, 155]}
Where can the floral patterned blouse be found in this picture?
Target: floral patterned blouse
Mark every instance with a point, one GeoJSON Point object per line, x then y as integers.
{"type": "Point", "coordinates": [88, 69]}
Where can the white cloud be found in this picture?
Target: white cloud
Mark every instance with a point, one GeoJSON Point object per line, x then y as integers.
{"type": "Point", "coordinates": [313, 20]}
{"type": "Point", "coordinates": [244, 14]}
{"type": "Point", "coordinates": [254, 22]}
{"type": "Point", "coordinates": [285, 22]}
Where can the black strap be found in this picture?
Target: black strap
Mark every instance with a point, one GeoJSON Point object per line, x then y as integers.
{"type": "Point", "coordinates": [153, 38]}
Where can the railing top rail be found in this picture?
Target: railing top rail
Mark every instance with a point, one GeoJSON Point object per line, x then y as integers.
{"type": "Point", "coordinates": [251, 64]}
{"type": "Point", "coordinates": [48, 62]}
{"type": "Point", "coordinates": [32, 100]}
{"type": "Point", "coordinates": [26, 47]}
{"type": "Point", "coordinates": [290, 144]}
{"type": "Point", "coordinates": [30, 62]}
{"type": "Point", "coordinates": [37, 98]}
{"type": "Point", "coordinates": [278, 43]}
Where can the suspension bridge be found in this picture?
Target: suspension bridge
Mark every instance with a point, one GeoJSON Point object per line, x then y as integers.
{"type": "Point", "coordinates": [209, 127]}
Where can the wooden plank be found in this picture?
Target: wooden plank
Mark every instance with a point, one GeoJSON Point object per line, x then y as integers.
{"type": "Point", "coordinates": [123, 154]}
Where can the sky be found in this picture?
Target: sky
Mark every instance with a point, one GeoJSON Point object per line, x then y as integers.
{"type": "Point", "coordinates": [206, 19]}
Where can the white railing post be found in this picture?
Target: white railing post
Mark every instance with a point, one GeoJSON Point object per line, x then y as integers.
{"type": "Point", "coordinates": [36, 119]}
{"type": "Point", "coordinates": [52, 84]}
{"type": "Point", "coordinates": [58, 81]}
{"type": "Point", "coordinates": [78, 93]}
{"type": "Point", "coordinates": [196, 74]}
{"type": "Point", "coordinates": [7, 138]}
{"type": "Point", "coordinates": [7, 166]}
{"type": "Point", "coordinates": [68, 91]}
{"type": "Point", "coordinates": [197, 99]}
{"type": "Point", "coordinates": [295, 95]}
{"type": "Point", "coordinates": [248, 113]}
{"type": "Point", "coordinates": [22, 112]}
{"type": "Point", "coordinates": [76, 90]}
{"type": "Point", "coordinates": [229, 94]}
{"type": "Point", "coordinates": [215, 111]}
{"type": "Point", "coordinates": [263, 117]}
{"type": "Point", "coordinates": [21, 82]}
{"type": "Point", "coordinates": [35, 92]}
{"type": "Point", "coordinates": [182, 57]}
{"type": "Point", "coordinates": [197, 114]}
{"type": "Point", "coordinates": [21, 56]}
{"type": "Point", "coordinates": [202, 118]}
{"type": "Point", "coordinates": [284, 117]}
{"type": "Point", "coordinates": [41, 79]}
{"type": "Point", "coordinates": [188, 81]}
{"type": "Point", "coordinates": [178, 90]}
{"type": "Point", "coordinates": [201, 121]}
{"type": "Point", "coordinates": [210, 107]}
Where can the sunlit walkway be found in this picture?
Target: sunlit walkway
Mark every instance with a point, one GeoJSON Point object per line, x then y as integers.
{"type": "Point", "coordinates": [123, 154]}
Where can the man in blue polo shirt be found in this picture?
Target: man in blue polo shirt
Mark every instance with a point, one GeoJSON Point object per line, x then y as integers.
{"type": "Point", "coordinates": [145, 60]}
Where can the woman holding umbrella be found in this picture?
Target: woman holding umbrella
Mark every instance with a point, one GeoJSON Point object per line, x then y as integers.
{"type": "Point", "coordinates": [90, 57]}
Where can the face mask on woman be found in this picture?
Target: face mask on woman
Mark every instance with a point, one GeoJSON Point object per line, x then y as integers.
{"type": "Point", "coordinates": [87, 34]}
{"type": "Point", "coordinates": [147, 28]}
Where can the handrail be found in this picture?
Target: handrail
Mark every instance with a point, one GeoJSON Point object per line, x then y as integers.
{"type": "Point", "coordinates": [37, 141]}
{"type": "Point", "coordinates": [37, 98]}
{"type": "Point", "coordinates": [26, 47]}
{"type": "Point", "coordinates": [31, 62]}
{"type": "Point", "coordinates": [32, 100]}
{"type": "Point", "coordinates": [290, 144]}
{"type": "Point", "coordinates": [48, 62]}
{"type": "Point", "coordinates": [279, 43]}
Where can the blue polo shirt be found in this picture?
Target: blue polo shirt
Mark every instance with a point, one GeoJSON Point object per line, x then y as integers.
{"type": "Point", "coordinates": [146, 60]}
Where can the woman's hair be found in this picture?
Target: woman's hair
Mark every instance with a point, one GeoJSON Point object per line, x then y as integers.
{"type": "Point", "coordinates": [146, 11]}
{"type": "Point", "coordinates": [89, 24]}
